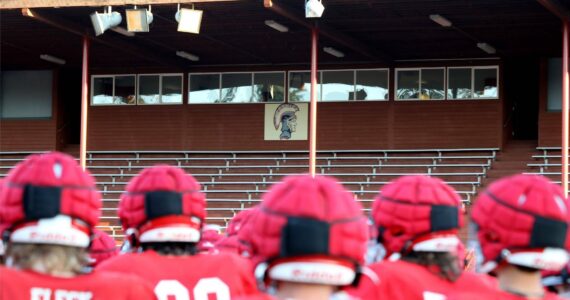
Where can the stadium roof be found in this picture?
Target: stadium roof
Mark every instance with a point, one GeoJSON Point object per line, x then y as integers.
{"type": "Point", "coordinates": [233, 33]}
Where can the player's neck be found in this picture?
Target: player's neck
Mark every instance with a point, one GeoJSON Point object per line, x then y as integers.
{"type": "Point", "coordinates": [41, 268]}
{"type": "Point", "coordinates": [301, 291]}
{"type": "Point", "coordinates": [520, 282]}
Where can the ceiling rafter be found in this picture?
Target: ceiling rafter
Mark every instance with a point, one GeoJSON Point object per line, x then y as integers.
{"type": "Point", "coordinates": [13, 4]}
{"type": "Point", "coordinates": [107, 40]}
{"type": "Point", "coordinates": [330, 33]}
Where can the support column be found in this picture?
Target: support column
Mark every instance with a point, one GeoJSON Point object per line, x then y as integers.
{"type": "Point", "coordinates": [313, 110]}
{"type": "Point", "coordinates": [84, 103]}
{"type": "Point", "coordinates": [565, 95]}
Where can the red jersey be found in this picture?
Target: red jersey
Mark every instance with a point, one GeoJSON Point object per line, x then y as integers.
{"type": "Point", "coordinates": [197, 276]}
{"type": "Point", "coordinates": [28, 285]}
{"type": "Point", "coordinates": [259, 296]}
{"type": "Point", "coordinates": [409, 281]}
{"type": "Point", "coordinates": [497, 294]}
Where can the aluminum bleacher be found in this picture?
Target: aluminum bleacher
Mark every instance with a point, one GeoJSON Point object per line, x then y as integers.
{"type": "Point", "coordinates": [236, 180]}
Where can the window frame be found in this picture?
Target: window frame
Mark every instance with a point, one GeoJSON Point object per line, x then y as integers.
{"type": "Point", "coordinates": [252, 75]}
{"type": "Point", "coordinates": [473, 68]}
{"type": "Point", "coordinates": [160, 76]}
{"type": "Point", "coordinates": [113, 95]}
{"type": "Point", "coordinates": [285, 92]}
{"type": "Point", "coordinates": [387, 84]}
{"type": "Point", "coordinates": [419, 69]}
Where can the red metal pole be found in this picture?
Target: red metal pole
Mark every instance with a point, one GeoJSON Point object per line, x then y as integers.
{"type": "Point", "coordinates": [565, 96]}
{"type": "Point", "coordinates": [313, 110]}
{"type": "Point", "coordinates": [84, 103]}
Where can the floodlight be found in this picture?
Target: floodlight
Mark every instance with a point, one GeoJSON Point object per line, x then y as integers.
{"type": "Point", "coordinates": [138, 19]}
{"type": "Point", "coordinates": [103, 21]}
{"type": "Point", "coordinates": [189, 20]}
{"type": "Point", "coordinates": [314, 8]}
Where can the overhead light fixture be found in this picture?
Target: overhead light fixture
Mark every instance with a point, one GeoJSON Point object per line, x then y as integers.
{"type": "Point", "coordinates": [103, 21]}
{"type": "Point", "coordinates": [123, 31]}
{"type": "Point", "coordinates": [276, 26]}
{"type": "Point", "coordinates": [189, 20]}
{"type": "Point", "coordinates": [487, 48]}
{"type": "Point", "coordinates": [441, 20]}
{"type": "Point", "coordinates": [333, 52]}
{"type": "Point", "coordinates": [187, 55]}
{"type": "Point", "coordinates": [53, 59]}
{"type": "Point", "coordinates": [138, 20]}
{"type": "Point", "coordinates": [314, 8]}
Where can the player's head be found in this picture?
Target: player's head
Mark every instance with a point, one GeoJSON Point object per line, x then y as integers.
{"type": "Point", "coordinates": [49, 206]}
{"type": "Point", "coordinates": [211, 234]}
{"type": "Point", "coordinates": [239, 220]}
{"type": "Point", "coordinates": [163, 209]}
{"type": "Point", "coordinates": [102, 247]}
{"type": "Point", "coordinates": [238, 232]}
{"type": "Point", "coordinates": [522, 220]}
{"type": "Point", "coordinates": [418, 218]}
{"type": "Point", "coordinates": [309, 231]}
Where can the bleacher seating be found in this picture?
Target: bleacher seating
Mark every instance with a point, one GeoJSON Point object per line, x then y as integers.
{"type": "Point", "coordinates": [237, 180]}
{"type": "Point", "coordinates": [548, 163]}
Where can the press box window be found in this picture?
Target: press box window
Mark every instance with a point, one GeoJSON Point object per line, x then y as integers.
{"type": "Point", "coordinates": [237, 87]}
{"type": "Point", "coordinates": [113, 90]}
{"type": "Point", "coordinates": [300, 86]}
{"type": "Point", "coordinates": [160, 89]}
{"type": "Point", "coordinates": [473, 83]}
{"type": "Point", "coordinates": [371, 85]}
{"type": "Point", "coordinates": [420, 84]}
{"type": "Point", "coordinates": [204, 88]}
{"type": "Point", "coordinates": [269, 87]}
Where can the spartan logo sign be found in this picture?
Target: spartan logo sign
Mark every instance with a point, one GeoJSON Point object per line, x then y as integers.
{"type": "Point", "coordinates": [285, 116]}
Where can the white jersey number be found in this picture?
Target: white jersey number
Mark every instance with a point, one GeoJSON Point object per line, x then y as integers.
{"type": "Point", "coordinates": [173, 289]}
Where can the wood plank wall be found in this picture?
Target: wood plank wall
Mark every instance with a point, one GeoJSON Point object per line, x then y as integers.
{"type": "Point", "coordinates": [349, 125]}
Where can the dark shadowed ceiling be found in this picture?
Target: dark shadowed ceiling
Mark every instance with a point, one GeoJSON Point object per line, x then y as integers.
{"type": "Point", "coordinates": [234, 33]}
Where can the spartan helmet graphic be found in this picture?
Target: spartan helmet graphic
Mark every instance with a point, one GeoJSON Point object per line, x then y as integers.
{"type": "Point", "coordinates": [285, 115]}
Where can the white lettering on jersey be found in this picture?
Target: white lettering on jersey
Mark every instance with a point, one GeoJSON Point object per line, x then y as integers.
{"type": "Point", "coordinates": [72, 295]}
{"type": "Point", "coordinates": [40, 294]}
{"type": "Point", "coordinates": [213, 285]}
{"type": "Point", "coordinates": [45, 294]}
{"type": "Point", "coordinates": [434, 296]}
{"type": "Point", "coordinates": [166, 288]}
{"type": "Point", "coordinates": [205, 286]}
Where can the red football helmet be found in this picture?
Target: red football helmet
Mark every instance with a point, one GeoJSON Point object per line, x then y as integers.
{"type": "Point", "coordinates": [239, 220]}
{"type": "Point", "coordinates": [211, 234]}
{"type": "Point", "coordinates": [309, 230]}
{"type": "Point", "coordinates": [418, 213]}
{"type": "Point", "coordinates": [102, 247]}
{"type": "Point", "coordinates": [523, 220]}
{"type": "Point", "coordinates": [163, 204]}
{"type": "Point", "coordinates": [49, 199]}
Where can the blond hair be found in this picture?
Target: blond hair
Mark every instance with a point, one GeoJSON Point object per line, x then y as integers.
{"type": "Point", "coordinates": [48, 259]}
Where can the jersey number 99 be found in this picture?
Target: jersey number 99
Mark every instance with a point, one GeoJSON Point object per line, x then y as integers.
{"type": "Point", "coordinates": [173, 289]}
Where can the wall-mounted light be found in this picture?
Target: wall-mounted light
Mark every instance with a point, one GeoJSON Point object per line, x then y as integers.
{"type": "Point", "coordinates": [103, 21]}
{"type": "Point", "coordinates": [314, 8]}
{"type": "Point", "coordinates": [441, 20]}
{"type": "Point", "coordinates": [53, 59]}
{"type": "Point", "coordinates": [189, 20]}
{"type": "Point", "coordinates": [187, 55]}
{"type": "Point", "coordinates": [487, 48]}
{"type": "Point", "coordinates": [277, 26]}
{"type": "Point", "coordinates": [138, 20]}
{"type": "Point", "coordinates": [332, 51]}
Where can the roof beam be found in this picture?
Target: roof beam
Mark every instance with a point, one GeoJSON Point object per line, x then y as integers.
{"type": "Point", "coordinates": [107, 40]}
{"type": "Point", "coordinates": [330, 33]}
{"type": "Point", "coordinates": [11, 4]}
{"type": "Point", "coordinates": [555, 7]}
